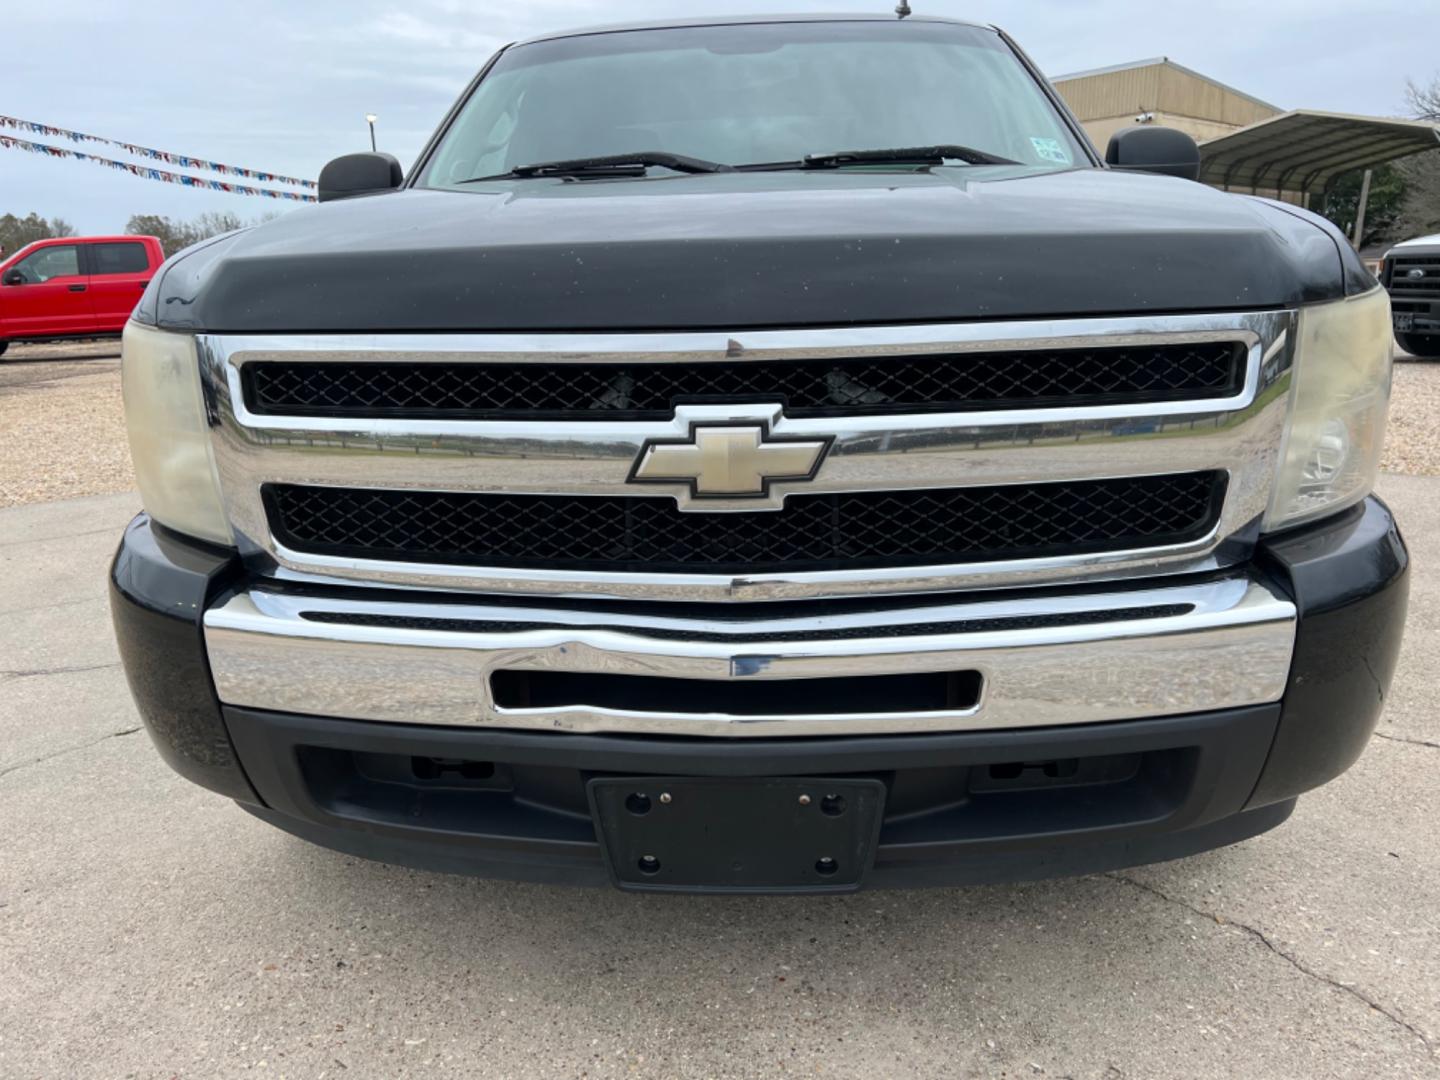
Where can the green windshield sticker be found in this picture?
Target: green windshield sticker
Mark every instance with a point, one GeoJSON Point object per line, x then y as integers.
{"type": "Point", "coordinates": [1050, 150]}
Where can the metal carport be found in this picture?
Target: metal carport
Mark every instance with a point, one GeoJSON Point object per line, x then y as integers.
{"type": "Point", "coordinates": [1301, 151]}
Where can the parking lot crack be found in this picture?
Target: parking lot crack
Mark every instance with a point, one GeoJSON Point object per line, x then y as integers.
{"type": "Point", "coordinates": [8, 769]}
{"type": "Point", "coordinates": [33, 540]}
{"type": "Point", "coordinates": [36, 673]}
{"type": "Point", "coordinates": [1412, 742]}
{"type": "Point", "coordinates": [100, 599]}
{"type": "Point", "coordinates": [1294, 961]}
{"type": "Point", "coordinates": [1379, 684]}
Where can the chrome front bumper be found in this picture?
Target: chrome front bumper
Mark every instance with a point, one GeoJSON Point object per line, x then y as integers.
{"type": "Point", "coordinates": [1044, 661]}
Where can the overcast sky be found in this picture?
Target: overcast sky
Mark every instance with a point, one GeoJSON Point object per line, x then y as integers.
{"type": "Point", "coordinates": [284, 86]}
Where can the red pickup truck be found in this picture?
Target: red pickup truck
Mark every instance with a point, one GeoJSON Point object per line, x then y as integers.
{"type": "Point", "coordinates": [74, 287]}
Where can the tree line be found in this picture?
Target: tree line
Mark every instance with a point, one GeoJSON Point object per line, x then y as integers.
{"type": "Point", "coordinates": [1404, 197]}
{"type": "Point", "coordinates": [16, 232]}
{"type": "Point", "coordinates": [174, 234]}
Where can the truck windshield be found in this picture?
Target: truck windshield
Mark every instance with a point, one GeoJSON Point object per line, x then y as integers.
{"type": "Point", "coordinates": [754, 93]}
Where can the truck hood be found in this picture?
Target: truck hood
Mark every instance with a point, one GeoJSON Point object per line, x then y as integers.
{"type": "Point", "coordinates": [735, 250]}
{"type": "Point", "coordinates": [1406, 246]}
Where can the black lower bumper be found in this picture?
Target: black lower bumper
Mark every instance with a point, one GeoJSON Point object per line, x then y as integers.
{"type": "Point", "coordinates": [958, 808]}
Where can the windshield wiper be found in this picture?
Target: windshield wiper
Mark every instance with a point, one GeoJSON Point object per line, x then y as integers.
{"type": "Point", "coordinates": [633, 164]}
{"type": "Point", "coordinates": [904, 155]}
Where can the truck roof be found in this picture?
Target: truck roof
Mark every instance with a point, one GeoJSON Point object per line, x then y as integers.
{"type": "Point", "coordinates": [739, 20]}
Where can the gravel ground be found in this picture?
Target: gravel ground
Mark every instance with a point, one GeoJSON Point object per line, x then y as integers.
{"type": "Point", "coordinates": [62, 433]}
{"type": "Point", "coordinates": [1412, 440]}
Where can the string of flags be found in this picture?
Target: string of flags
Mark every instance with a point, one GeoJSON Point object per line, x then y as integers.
{"type": "Point", "coordinates": [149, 172]}
{"type": "Point", "coordinates": [185, 161]}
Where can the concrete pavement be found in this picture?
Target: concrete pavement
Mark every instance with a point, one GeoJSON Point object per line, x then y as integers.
{"type": "Point", "coordinates": [148, 928]}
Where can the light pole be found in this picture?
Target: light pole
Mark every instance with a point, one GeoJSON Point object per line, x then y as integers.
{"type": "Point", "coordinates": [370, 119]}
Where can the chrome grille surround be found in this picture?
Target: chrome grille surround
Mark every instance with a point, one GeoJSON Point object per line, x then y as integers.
{"type": "Point", "coordinates": [1239, 434]}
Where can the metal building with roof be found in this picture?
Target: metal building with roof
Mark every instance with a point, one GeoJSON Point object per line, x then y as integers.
{"type": "Point", "coordinates": [1108, 99]}
{"type": "Point", "coordinates": [1245, 144]}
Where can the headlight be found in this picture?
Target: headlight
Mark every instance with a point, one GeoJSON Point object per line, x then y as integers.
{"type": "Point", "coordinates": [1336, 426]}
{"type": "Point", "coordinates": [169, 436]}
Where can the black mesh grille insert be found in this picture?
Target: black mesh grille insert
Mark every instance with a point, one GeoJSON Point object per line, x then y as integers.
{"type": "Point", "coordinates": [602, 391]}
{"type": "Point", "coordinates": [812, 532]}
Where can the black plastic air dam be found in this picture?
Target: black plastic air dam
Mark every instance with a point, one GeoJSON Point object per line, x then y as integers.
{"type": "Point", "coordinates": [962, 808]}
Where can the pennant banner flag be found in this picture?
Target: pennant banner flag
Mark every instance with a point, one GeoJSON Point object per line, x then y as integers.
{"type": "Point", "coordinates": [10, 142]}
{"type": "Point", "coordinates": [185, 161]}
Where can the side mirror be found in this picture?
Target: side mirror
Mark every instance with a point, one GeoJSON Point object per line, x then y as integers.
{"type": "Point", "coordinates": [1154, 149]}
{"type": "Point", "coordinates": [13, 277]}
{"type": "Point", "coordinates": [359, 174]}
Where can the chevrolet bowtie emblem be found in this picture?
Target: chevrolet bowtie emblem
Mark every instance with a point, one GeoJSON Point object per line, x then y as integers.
{"type": "Point", "coordinates": [728, 460]}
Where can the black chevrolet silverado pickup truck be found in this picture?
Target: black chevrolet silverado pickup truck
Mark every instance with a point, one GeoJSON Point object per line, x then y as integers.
{"type": "Point", "coordinates": [763, 455]}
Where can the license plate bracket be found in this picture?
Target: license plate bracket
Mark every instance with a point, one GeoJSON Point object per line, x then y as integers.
{"type": "Point", "coordinates": [723, 834]}
{"type": "Point", "coordinates": [1404, 321]}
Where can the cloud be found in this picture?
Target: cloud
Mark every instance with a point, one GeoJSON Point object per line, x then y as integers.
{"type": "Point", "coordinates": [408, 28]}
